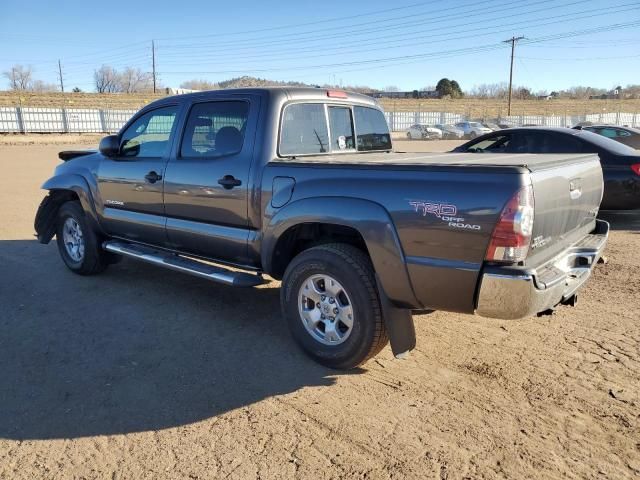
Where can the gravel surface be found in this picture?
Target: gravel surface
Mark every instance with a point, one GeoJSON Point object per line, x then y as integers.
{"type": "Point", "coordinates": [147, 373]}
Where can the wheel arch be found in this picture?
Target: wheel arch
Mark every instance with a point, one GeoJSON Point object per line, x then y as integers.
{"type": "Point", "coordinates": [362, 223]}
{"type": "Point", "coordinates": [62, 189]}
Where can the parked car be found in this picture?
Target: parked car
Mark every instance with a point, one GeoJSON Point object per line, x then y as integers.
{"type": "Point", "coordinates": [472, 129]}
{"type": "Point", "coordinates": [302, 184]}
{"type": "Point", "coordinates": [450, 132]}
{"type": "Point", "coordinates": [494, 127]}
{"type": "Point", "coordinates": [620, 163]}
{"type": "Point", "coordinates": [421, 131]}
{"type": "Point", "coordinates": [627, 135]}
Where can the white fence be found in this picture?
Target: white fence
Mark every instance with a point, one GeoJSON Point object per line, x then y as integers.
{"type": "Point", "coordinates": [62, 120]}
{"type": "Point", "coordinates": [89, 120]}
{"type": "Point", "coordinates": [399, 121]}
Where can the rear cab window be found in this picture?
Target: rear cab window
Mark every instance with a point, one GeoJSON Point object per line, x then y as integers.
{"type": "Point", "coordinates": [323, 128]}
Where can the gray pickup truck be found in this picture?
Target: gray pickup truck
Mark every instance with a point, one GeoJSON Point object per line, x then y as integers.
{"type": "Point", "coordinates": [303, 185]}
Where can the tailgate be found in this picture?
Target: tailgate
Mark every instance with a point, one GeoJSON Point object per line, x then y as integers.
{"type": "Point", "coordinates": [567, 197]}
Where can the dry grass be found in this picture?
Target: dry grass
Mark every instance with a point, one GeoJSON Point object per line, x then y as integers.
{"type": "Point", "coordinates": [468, 106]}
{"type": "Point", "coordinates": [488, 108]}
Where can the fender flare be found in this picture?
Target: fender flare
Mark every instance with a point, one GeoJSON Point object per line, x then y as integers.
{"type": "Point", "coordinates": [368, 218]}
{"type": "Point", "coordinates": [44, 222]}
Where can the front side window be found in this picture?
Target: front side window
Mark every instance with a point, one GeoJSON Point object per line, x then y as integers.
{"type": "Point", "coordinates": [341, 127]}
{"type": "Point", "coordinates": [148, 136]}
{"type": "Point", "coordinates": [215, 129]}
{"type": "Point", "coordinates": [372, 129]}
{"type": "Point", "coordinates": [304, 130]}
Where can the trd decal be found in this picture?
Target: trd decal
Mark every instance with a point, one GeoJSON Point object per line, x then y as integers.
{"type": "Point", "coordinates": [437, 209]}
{"type": "Point", "coordinates": [444, 211]}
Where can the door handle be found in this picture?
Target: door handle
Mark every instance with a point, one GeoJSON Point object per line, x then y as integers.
{"type": "Point", "coordinates": [229, 181]}
{"type": "Point", "coordinates": [152, 177]}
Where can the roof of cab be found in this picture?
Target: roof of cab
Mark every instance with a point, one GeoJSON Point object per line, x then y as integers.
{"type": "Point", "coordinates": [283, 93]}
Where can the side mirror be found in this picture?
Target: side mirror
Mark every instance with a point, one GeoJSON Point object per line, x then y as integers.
{"type": "Point", "coordinates": [110, 146]}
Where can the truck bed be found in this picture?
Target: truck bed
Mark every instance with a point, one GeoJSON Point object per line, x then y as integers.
{"type": "Point", "coordinates": [532, 162]}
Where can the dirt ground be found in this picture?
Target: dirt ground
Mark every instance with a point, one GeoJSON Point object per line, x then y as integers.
{"type": "Point", "coordinates": [147, 373]}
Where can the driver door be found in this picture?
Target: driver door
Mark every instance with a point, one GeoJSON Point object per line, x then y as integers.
{"type": "Point", "coordinates": [131, 184]}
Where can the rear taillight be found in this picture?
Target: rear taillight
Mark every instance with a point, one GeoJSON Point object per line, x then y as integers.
{"type": "Point", "coordinates": [512, 235]}
{"type": "Point", "coordinates": [636, 168]}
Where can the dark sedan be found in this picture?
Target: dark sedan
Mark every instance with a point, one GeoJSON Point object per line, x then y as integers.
{"type": "Point", "coordinates": [627, 135]}
{"type": "Point", "coordinates": [620, 163]}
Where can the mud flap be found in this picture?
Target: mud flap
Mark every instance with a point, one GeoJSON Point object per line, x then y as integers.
{"type": "Point", "coordinates": [399, 323]}
{"type": "Point", "coordinates": [45, 222]}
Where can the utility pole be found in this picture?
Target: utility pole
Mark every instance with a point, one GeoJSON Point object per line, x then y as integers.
{"type": "Point", "coordinates": [60, 73]}
{"type": "Point", "coordinates": [512, 41]}
{"type": "Point", "coordinates": [153, 64]}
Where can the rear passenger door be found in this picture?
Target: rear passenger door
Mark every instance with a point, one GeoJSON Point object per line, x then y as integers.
{"type": "Point", "coordinates": [207, 180]}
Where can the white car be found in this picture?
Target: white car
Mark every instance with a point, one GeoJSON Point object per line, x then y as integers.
{"type": "Point", "coordinates": [473, 129]}
{"type": "Point", "coordinates": [421, 131]}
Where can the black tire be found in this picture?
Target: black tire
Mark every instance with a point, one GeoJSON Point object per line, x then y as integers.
{"type": "Point", "coordinates": [94, 260]}
{"type": "Point", "coordinates": [473, 135]}
{"type": "Point", "coordinates": [351, 267]}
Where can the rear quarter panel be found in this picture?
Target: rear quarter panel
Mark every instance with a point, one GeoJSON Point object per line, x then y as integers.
{"type": "Point", "coordinates": [442, 216]}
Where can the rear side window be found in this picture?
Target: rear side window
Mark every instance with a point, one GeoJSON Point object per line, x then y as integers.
{"type": "Point", "coordinates": [148, 136]}
{"type": "Point", "coordinates": [553, 143]}
{"type": "Point", "coordinates": [497, 144]}
{"type": "Point", "coordinates": [372, 129]}
{"type": "Point", "coordinates": [215, 129]}
{"type": "Point", "coordinates": [304, 129]}
{"type": "Point", "coordinates": [341, 126]}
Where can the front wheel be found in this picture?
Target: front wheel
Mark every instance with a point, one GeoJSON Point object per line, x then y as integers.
{"type": "Point", "coordinates": [78, 244]}
{"type": "Point", "coordinates": [473, 135]}
{"type": "Point", "coordinates": [330, 301]}
{"type": "Point", "coordinates": [409, 136]}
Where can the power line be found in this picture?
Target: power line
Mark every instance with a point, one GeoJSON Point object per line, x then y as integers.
{"type": "Point", "coordinates": [374, 28]}
{"type": "Point", "coordinates": [416, 56]}
{"type": "Point", "coordinates": [445, 37]}
{"type": "Point", "coordinates": [375, 34]}
{"type": "Point", "coordinates": [315, 22]}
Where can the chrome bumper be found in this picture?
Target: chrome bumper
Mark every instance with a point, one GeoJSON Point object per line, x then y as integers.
{"type": "Point", "coordinates": [515, 295]}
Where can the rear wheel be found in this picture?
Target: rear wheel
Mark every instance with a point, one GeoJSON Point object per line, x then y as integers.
{"type": "Point", "coordinates": [473, 135]}
{"type": "Point", "coordinates": [331, 303]}
{"type": "Point", "coordinates": [78, 244]}
{"type": "Point", "coordinates": [408, 135]}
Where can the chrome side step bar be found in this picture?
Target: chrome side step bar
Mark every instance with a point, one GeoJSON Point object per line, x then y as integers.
{"type": "Point", "coordinates": [183, 264]}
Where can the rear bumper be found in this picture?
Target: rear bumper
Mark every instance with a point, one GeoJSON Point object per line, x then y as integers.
{"type": "Point", "coordinates": [509, 293]}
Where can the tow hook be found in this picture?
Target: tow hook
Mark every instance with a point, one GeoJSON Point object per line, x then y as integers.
{"type": "Point", "coordinates": [572, 301]}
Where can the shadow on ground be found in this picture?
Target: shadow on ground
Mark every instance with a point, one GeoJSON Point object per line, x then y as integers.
{"type": "Point", "coordinates": [136, 348]}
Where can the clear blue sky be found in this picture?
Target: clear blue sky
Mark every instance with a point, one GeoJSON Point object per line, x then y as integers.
{"type": "Point", "coordinates": [408, 44]}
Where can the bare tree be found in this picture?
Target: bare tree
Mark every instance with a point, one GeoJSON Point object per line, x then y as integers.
{"type": "Point", "coordinates": [490, 90]}
{"type": "Point", "coordinates": [106, 80]}
{"type": "Point", "coordinates": [134, 80]}
{"type": "Point", "coordinates": [20, 77]}
{"type": "Point", "coordinates": [391, 88]}
{"type": "Point", "coordinates": [40, 86]}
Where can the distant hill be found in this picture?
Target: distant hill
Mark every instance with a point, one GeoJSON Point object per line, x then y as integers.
{"type": "Point", "coordinates": [246, 81]}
